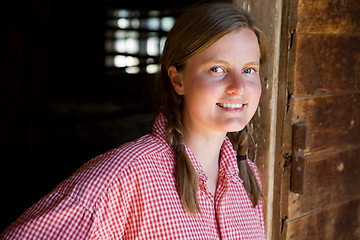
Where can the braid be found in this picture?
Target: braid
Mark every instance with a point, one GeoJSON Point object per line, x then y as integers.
{"type": "Point", "coordinates": [251, 185]}
{"type": "Point", "coordinates": [186, 177]}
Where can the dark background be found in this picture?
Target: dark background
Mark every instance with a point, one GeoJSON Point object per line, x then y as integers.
{"type": "Point", "coordinates": [58, 107]}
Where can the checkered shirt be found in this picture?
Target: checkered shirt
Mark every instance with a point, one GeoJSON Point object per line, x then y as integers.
{"type": "Point", "coordinates": [129, 193]}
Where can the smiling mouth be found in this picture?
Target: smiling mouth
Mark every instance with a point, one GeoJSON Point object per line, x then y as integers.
{"type": "Point", "coordinates": [230, 105]}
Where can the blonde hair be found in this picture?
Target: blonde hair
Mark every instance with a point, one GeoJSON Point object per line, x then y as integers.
{"type": "Point", "coordinates": [197, 29]}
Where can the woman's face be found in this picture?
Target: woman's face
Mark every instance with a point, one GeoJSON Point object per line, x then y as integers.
{"type": "Point", "coordinates": [221, 85]}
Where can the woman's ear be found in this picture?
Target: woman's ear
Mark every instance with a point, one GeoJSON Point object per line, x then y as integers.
{"type": "Point", "coordinates": [176, 80]}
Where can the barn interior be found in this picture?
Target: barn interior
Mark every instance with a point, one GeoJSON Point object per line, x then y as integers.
{"type": "Point", "coordinates": [76, 80]}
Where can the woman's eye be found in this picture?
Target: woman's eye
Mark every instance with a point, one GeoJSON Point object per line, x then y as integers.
{"type": "Point", "coordinates": [249, 70]}
{"type": "Point", "coordinates": [217, 70]}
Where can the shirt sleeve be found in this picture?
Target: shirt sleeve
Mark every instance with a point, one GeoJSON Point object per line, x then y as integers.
{"type": "Point", "coordinates": [64, 216]}
{"type": "Point", "coordinates": [119, 205]}
{"type": "Point", "coordinates": [55, 216]}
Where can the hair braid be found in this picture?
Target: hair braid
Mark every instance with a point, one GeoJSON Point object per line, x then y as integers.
{"type": "Point", "coordinates": [240, 145]}
{"type": "Point", "coordinates": [186, 177]}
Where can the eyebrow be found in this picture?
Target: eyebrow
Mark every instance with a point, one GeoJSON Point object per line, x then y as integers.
{"type": "Point", "coordinates": [207, 61]}
{"type": "Point", "coordinates": [253, 63]}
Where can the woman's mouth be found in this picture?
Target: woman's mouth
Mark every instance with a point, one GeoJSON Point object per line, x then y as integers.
{"type": "Point", "coordinates": [230, 105]}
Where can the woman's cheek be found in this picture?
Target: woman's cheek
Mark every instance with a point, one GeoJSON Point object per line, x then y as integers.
{"type": "Point", "coordinates": [254, 88]}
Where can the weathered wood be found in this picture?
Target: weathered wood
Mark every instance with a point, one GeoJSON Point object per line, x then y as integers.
{"type": "Point", "coordinates": [333, 121]}
{"type": "Point", "coordinates": [326, 64]}
{"type": "Point", "coordinates": [339, 222]}
{"type": "Point", "coordinates": [328, 16]}
{"type": "Point", "coordinates": [323, 73]}
{"type": "Point", "coordinates": [329, 180]}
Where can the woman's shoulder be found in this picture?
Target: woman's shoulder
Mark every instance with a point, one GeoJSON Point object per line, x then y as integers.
{"type": "Point", "coordinates": [93, 179]}
{"type": "Point", "coordinates": [82, 197]}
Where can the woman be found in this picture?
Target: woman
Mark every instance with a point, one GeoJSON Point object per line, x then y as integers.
{"type": "Point", "coordinates": [187, 179]}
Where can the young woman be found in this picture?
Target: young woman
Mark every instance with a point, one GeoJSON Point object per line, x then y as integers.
{"type": "Point", "coordinates": [189, 178]}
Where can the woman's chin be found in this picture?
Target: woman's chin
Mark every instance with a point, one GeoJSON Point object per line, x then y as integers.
{"type": "Point", "coordinates": [236, 127]}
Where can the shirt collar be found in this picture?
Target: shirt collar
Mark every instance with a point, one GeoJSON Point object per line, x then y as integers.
{"type": "Point", "coordinates": [228, 161]}
{"type": "Point", "coordinates": [159, 127]}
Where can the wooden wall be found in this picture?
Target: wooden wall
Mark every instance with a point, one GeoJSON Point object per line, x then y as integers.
{"type": "Point", "coordinates": [323, 78]}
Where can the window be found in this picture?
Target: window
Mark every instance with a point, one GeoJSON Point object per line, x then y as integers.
{"type": "Point", "coordinates": [134, 40]}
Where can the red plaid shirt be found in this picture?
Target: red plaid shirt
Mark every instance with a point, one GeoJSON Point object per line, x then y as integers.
{"type": "Point", "coordinates": [129, 193]}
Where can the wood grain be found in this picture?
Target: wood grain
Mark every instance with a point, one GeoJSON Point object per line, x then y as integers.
{"type": "Point", "coordinates": [339, 222]}
{"type": "Point", "coordinates": [323, 76]}
{"type": "Point", "coordinates": [333, 121]}
{"type": "Point", "coordinates": [328, 16]}
{"type": "Point", "coordinates": [330, 179]}
{"type": "Point", "coordinates": [326, 64]}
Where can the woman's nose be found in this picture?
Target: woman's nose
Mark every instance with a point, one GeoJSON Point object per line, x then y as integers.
{"type": "Point", "coordinates": [236, 85]}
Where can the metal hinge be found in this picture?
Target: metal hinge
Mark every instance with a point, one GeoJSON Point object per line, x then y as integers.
{"type": "Point", "coordinates": [298, 159]}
